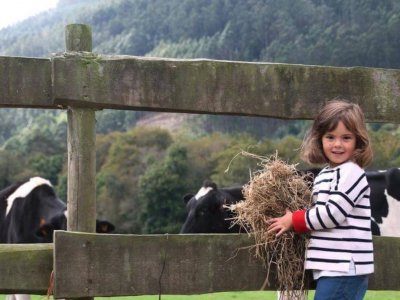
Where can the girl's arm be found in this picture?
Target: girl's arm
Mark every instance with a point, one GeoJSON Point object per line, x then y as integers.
{"type": "Point", "coordinates": [350, 187]}
{"type": "Point", "coordinates": [295, 220]}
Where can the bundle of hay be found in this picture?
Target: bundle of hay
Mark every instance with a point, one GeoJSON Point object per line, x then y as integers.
{"type": "Point", "coordinates": [274, 189]}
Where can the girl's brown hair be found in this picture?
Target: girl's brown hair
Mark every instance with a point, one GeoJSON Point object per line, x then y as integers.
{"type": "Point", "coordinates": [327, 119]}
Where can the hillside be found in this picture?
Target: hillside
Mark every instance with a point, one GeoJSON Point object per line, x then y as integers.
{"type": "Point", "coordinates": [322, 32]}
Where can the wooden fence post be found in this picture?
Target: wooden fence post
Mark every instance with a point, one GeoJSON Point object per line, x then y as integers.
{"type": "Point", "coordinates": [81, 147]}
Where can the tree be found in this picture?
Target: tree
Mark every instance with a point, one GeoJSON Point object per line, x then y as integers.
{"type": "Point", "coordinates": [124, 157]}
{"type": "Point", "coordinates": [160, 192]}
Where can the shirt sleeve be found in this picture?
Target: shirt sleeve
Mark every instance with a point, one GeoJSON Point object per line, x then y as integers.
{"type": "Point", "coordinates": [299, 221]}
{"type": "Point", "coordinates": [348, 186]}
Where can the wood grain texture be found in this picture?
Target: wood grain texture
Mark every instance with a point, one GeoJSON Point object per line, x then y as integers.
{"type": "Point", "coordinates": [81, 170]}
{"type": "Point", "coordinates": [195, 86]}
{"type": "Point", "coordinates": [25, 82]}
{"type": "Point", "coordinates": [222, 87]}
{"type": "Point", "coordinates": [25, 268]}
{"type": "Point", "coordinates": [78, 37]}
{"type": "Point", "coordinates": [177, 264]}
{"type": "Point", "coordinates": [139, 265]}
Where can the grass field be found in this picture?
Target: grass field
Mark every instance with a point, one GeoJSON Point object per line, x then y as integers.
{"type": "Point", "coordinates": [371, 295]}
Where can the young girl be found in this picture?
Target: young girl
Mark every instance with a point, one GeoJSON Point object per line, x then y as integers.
{"type": "Point", "coordinates": [340, 250]}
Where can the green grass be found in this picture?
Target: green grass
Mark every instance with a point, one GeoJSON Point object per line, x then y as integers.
{"type": "Point", "coordinates": [371, 295]}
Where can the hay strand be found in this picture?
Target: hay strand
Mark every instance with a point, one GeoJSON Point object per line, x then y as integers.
{"type": "Point", "coordinates": [274, 189]}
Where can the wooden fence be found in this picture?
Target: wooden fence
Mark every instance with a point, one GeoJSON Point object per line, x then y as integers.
{"type": "Point", "coordinates": [82, 82]}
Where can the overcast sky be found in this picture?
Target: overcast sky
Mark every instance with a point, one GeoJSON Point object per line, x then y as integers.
{"type": "Point", "coordinates": [13, 11]}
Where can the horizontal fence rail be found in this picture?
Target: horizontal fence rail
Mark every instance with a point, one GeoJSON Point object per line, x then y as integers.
{"type": "Point", "coordinates": [25, 268]}
{"type": "Point", "coordinates": [118, 265]}
{"type": "Point", "coordinates": [25, 82]}
{"type": "Point", "coordinates": [224, 87]}
{"type": "Point", "coordinates": [195, 86]}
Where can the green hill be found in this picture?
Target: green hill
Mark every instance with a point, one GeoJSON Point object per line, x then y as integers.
{"type": "Point", "coordinates": [323, 32]}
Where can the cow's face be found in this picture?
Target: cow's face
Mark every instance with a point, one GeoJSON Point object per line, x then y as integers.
{"type": "Point", "coordinates": [58, 222]}
{"type": "Point", "coordinates": [206, 212]}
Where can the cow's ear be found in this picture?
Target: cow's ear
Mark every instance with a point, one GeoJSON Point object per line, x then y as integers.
{"type": "Point", "coordinates": [187, 197]}
{"type": "Point", "coordinates": [45, 230]}
{"type": "Point", "coordinates": [104, 227]}
{"type": "Point", "coordinates": [209, 183]}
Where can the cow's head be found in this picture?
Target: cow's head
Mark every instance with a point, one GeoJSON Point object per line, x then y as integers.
{"type": "Point", "coordinates": [32, 204]}
{"type": "Point", "coordinates": [206, 212]}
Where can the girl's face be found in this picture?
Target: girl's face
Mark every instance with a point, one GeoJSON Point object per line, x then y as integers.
{"type": "Point", "coordinates": [338, 145]}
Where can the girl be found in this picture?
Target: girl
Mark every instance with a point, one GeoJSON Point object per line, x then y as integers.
{"type": "Point", "coordinates": [340, 250]}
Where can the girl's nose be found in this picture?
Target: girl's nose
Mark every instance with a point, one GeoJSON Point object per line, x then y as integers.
{"type": "Point", "coordinates": [337, 142]}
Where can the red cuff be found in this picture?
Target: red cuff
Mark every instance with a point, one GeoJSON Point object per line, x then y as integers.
{"type": "Point", "coordinates": [299, 221]}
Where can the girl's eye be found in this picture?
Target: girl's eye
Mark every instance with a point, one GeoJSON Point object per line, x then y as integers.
{"type": "Point", "coordinates": [348, 138]}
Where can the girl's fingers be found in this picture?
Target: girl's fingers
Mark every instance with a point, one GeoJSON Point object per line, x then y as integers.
{"type": "Point", "coordinates": [274, 227]}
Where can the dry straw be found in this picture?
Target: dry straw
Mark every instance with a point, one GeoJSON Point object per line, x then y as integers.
{"type": "Point", "coordinates": [274, 189]}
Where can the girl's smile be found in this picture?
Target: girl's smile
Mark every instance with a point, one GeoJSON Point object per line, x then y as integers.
{"type": "Point", "coordinates": [338, 145]}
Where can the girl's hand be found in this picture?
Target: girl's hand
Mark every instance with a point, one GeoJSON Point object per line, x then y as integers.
{"type": "Point", "coordinates": [282, 224]}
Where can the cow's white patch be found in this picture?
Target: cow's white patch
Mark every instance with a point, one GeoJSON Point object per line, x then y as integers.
{"type": "Point", "coordinates": [24, 190]}
{"type": "Point", "coordinates": [66, 213]}
{"type": "Point", "coordinates": [391, 224]}
{"type": "Point", "coordinates": [203, 191]}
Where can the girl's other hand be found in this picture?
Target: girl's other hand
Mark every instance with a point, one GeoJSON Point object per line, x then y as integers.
{"type": "Point", "coordinates": [282, 224]}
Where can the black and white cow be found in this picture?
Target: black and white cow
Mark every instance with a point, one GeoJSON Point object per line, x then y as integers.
{"type": "Point", "coordinates": [24, 207]}
{"type": "Point", "coordinates": [206, 213]}
{"type": "Point", "coordinates": [30, 211]}
{"type": "Point", "coordinates": [385, 202]}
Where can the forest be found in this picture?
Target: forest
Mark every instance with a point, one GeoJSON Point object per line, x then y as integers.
{"type": "Point", "coordinates": [144, 171]}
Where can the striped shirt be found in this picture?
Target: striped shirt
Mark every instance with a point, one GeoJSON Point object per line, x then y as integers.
{"type": "Point", "coordinates": [340, 221]}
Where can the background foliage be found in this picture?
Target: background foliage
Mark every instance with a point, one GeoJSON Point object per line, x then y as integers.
{"type": "Point", "coordinates": [143, 172]}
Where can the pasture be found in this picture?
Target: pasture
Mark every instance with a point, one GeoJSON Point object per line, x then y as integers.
{"type": "Point", "coordinates": [267, 295]}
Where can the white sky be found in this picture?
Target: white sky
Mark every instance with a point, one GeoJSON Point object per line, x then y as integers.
{"type": "Point", "coordinates": [13, 11]}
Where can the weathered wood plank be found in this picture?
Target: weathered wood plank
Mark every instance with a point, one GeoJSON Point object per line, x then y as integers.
{"type": "Point", "coordinates": [25, 82]}
{"type": "Point", "coordinates": [25, 268]}
{"type": "Point", "coordinates": [222, 87]}
{"type": "Point", "coordinates": [78, 37]}
{"type": "Point", "coordinates": [81, 170]}
{"type": "Point", "coordinates": [138, 265]}
{"type": "Point", "coordinates": [195, 86]}
{"type": "Point", "coordinates": [177, 264]}
{"type": "Point", "coordinates": [133, 264]}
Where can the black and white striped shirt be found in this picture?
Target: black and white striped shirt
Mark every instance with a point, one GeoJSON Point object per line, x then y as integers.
{"type": "Point", "coordinates": [340, 221]}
